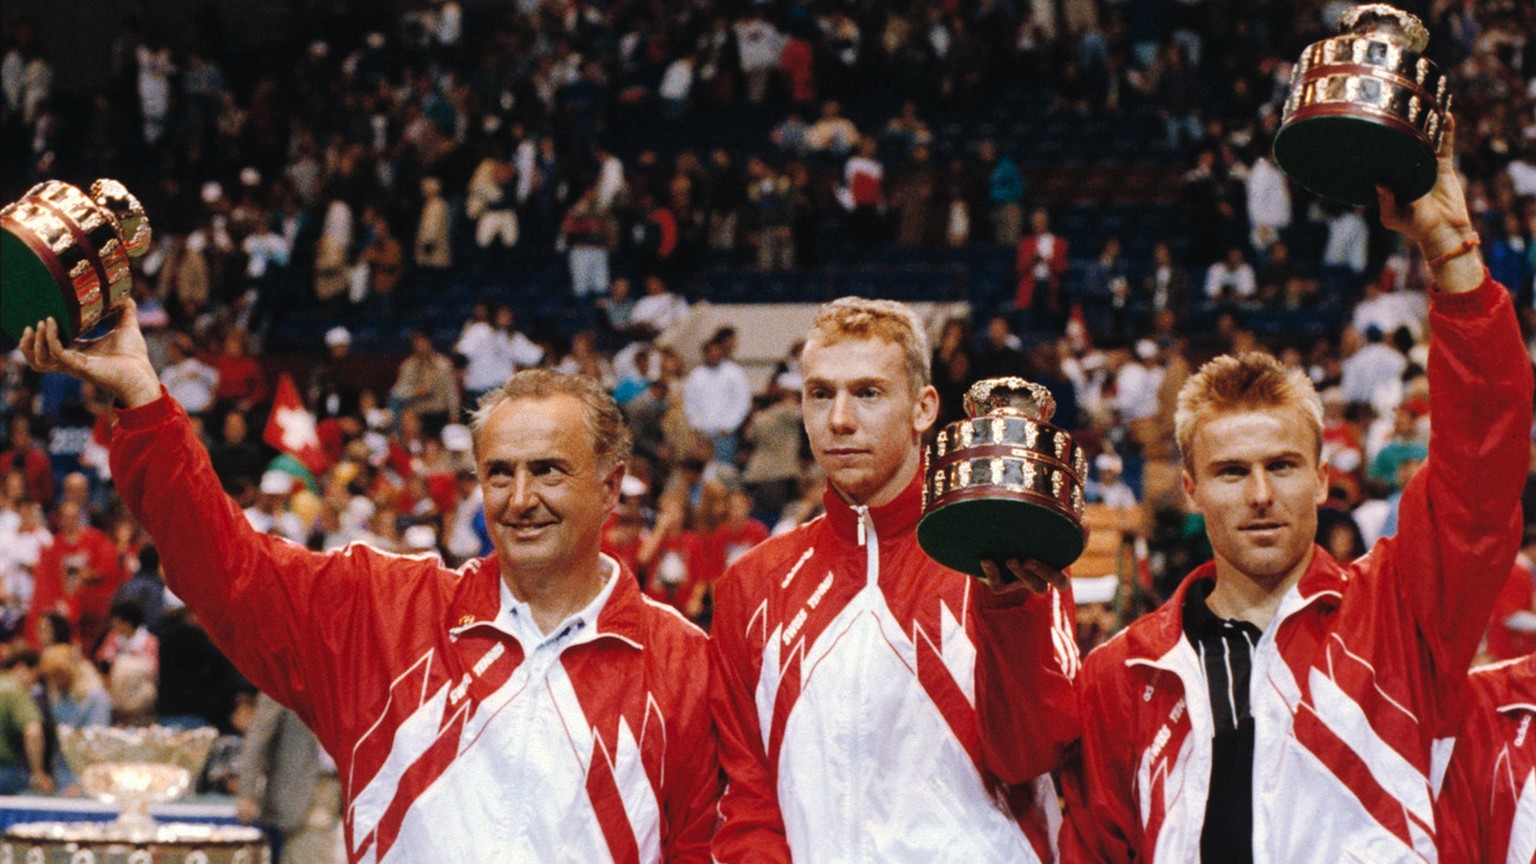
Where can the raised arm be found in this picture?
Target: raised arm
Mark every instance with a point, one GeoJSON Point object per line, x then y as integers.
{"type": "Point", "coordinates": [1459, 524]}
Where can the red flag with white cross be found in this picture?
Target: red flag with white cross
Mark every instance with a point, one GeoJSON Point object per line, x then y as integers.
{"type": "Point", "coordinates": [291, 428]}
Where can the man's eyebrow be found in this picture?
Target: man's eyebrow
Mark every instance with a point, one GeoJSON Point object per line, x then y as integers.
{"type": "Point", "coordinates": [852, 383]}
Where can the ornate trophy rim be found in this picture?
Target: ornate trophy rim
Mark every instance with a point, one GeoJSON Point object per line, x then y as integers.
{"type": "Point", "coordinates": [1359, 18]}
{"type": "Point", "coordinates": [983, 398]}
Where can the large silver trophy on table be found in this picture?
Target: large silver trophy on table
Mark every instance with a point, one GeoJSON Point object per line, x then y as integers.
{"type": "Point", "coordinates": [133, 769]}
{"type": "Point", "coordinates": [1365, 107]}
{"type": "Point", "coordinates": [1003, 483]}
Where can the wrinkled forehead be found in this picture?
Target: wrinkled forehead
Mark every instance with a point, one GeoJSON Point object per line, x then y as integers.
{"type": "Point", "coordinates": [1255, 434]}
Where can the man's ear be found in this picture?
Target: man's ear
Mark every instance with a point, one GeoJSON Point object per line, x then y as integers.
{"type": "Point", "coordinates": [1187, 482]}
{"type": "Point", "coordinates": [925, 410]}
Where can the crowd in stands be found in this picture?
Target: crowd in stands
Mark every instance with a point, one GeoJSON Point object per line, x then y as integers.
{"type": "Point", "coordinates": [396, 162]}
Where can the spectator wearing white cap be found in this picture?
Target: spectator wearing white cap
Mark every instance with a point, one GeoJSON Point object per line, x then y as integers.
{"type": "Point", "coordinates": [1137, 381]}
{"type": "Point", "coordinates": [269, 514]}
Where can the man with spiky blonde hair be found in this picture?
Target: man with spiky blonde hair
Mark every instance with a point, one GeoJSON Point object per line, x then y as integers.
{"type": "Point", "coordinates": [1283, 706]}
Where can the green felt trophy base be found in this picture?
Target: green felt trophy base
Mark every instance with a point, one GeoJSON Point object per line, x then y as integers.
{"type": "Point", "coordinates": [28, 292]}
{"type": "Point", "coordinates": [961, 534]}
{"type": "Point", "coordinates": [1343, 158]}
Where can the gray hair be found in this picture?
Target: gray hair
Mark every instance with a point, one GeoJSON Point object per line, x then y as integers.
{"type": "Point", "coordinates": [611, 439]}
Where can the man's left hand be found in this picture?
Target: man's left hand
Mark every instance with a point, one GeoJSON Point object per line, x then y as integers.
{"type": "Point", "coordinates": [1017, 573]}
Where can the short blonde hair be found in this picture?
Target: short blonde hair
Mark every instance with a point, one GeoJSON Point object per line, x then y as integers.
{"type": "Point", "coordinates": [611, 439]}
{"type": "Point", "coordinates": [886, 320]}
{"type": "Point", "coordinates": [1243, 382]}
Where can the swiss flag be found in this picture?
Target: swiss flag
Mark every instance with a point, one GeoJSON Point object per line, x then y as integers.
{"type": "Point", "coordinates": [291, 428]}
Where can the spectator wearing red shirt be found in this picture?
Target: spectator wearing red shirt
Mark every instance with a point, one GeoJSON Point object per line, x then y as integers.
{"type": "Point", "coordinates": [1041, 261]}
{"type": "Point", "coordinates": [798, 65]}
{"type": "Point", "coordinates": [31, 460]}
{"type": "Point", "coordinates": [673, 558]}
{"type": "Point", "coordinates": [77, 575]}
{"type": "Point", "coordinates": [242, 384]}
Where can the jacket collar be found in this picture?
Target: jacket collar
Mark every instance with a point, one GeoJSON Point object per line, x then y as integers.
{"type": "Point", "coordinates": [1322, 583]}
{"type": "Point", "coordinates": [478, 602]}
{"type": "Point", "coordinates": [1517, 685]}
{"type": "Point", "coordinates": [892, 519]}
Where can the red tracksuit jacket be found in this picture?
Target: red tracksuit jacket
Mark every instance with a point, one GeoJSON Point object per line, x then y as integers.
{"type": "Point", "coordinates": [876, 706]}
{"type": "Point", "coordinates": [1356, 683]}
{"type": "Point", "coordinates": [454, 740]}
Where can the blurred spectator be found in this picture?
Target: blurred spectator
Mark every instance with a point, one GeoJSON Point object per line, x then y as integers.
{"type": "Point", "coordinates": [1370, 368]}
{"type": "Point", "coordinates": [288, 783]}
{"type": "Point", "coordinates": [189, 380]}
{"type": "Point", "coordinates": [31, 460]}
{"type": "Point", "coordinates": [863, 195]}
{"type": "Point", "coordinates": [1166, 286]}
{"type": "Point", "coordinates": [489, 203]}
{"type": "Point", "coordinates": [77, 575]}
{"type": "Point", "coordinates": [1231, 280]}
{"type": "Point", "coordinates": [270, 514]}
{"type": "Point", "coordinates": [1005, 194]}
{"type": "Point", "coordinates": [22, 765]}
{"type": "Point", "coordinates": [425, 384]}
{"type": "Point", "coordinates": [242, 382]}
{"type": "Point", "coordinates": [1512, 631]}
{"type": "Point", "coordinates": [197, 685]}
{"type": "Point", "coordinates": [434, 245]}
{"type": "Point", "coordinates": [772, 472]}
{"type": "Point", "coordinates": [76, 697]}
{"type": "Point", "coordinates": [832, 134]}
{"type": "Point", "coordinates": [588, 233]}
{"type": "Point", "coordinates": [495, 348]}
{"type": "Point", "coordinates": [1346, 246]}
{"type": "Point", "coordinates": [717, 397]}
{"type": "Point", "coordinates": [1269, 202]}
{"type": "Point", "coordinates": [1039, 265]}
{"type": "Point", "coordinates": [145, 588]}
{"type": "Point", "coordinates": [953, 369]}
{"type": "Point", "coordinates": [659, 308]}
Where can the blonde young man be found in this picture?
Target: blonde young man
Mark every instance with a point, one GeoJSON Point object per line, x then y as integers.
{"type": "Point", "coordinates": [529, 706]}
{"type": "Point", "coordinates": [873, 705]}
{"type": "Point", "coordinates": [1282, 706]}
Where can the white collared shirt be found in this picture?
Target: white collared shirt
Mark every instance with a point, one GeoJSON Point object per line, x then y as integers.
{"type": "Point", "coordinates": [516, 618]}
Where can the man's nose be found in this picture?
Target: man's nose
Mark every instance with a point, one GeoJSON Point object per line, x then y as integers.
{"type": "Point", "coordinates": [1261, 489]}
{"type": "Point", "coordinates": [841, 416]}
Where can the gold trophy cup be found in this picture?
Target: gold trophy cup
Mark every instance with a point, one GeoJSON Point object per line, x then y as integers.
{"type": "Point", "coordinates": [1365, 107]}
{"type": "Point", "coordinates": [1003, 483]}
{"type": "Point", "coordinates": [64, 255]}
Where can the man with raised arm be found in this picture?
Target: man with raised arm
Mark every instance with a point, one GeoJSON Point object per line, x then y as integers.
{"type": "Point", "coordinates": [529, 706]}
{"type": "Point", "coordinates": [1284, 706]}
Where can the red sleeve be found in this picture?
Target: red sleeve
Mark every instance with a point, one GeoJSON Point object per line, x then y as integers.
{"type": "Point", "coordinates": [693, 772]}
{"type": "Point", "coordinates": [1101, 824]}
{"type": "Point", "coordinates": [1459, 524]}
{"type": "Point", "coordinates": [303, 626]}
{"type": "Point", "coordinates": [751, 830]}
{"type": "Point", "coordinates": [1026, 660]}
{"type": "Point", "coordinates": [1462, 809]}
